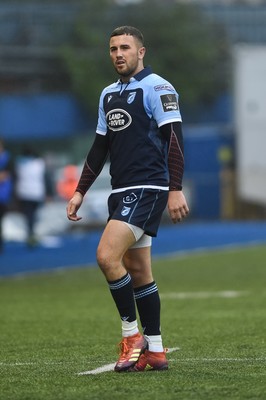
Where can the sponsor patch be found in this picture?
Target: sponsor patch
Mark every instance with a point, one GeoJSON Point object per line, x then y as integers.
{"type": "Point", "coordinates": [169, 102]}
{"type": "Point", "coordinates": [164, 87]}
{"type": "Point", "coordinates": [118, 119]}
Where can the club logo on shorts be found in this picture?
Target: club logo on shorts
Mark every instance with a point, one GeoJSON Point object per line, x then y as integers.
{"type": "Point", "coordinates": [130, 198]}
{"type": "Point", "coordinates": [169, 102]}
{"type": "Point", "coordinates": [118, 119]}
{"type": "Point", "coordinates": [125, 211]}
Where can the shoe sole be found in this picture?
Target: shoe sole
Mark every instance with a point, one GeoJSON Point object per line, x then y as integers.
{"type": "Point", "coordinates": [162, 368]}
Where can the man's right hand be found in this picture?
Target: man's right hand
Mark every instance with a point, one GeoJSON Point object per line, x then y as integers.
{"type": "Point", "coordinates": [73, 207]}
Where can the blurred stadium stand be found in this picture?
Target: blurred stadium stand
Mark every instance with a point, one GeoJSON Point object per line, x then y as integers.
{"type": "Point", "coordinates": [244, 21]}
{"type": "Point", "coordinates": [31, 32]}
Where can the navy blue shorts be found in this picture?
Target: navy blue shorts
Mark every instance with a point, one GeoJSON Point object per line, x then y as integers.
{"type": "Point", "coordinates": [140, 207]}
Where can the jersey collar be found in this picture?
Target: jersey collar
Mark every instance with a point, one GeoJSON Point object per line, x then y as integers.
{"type": "Point", "coordinates": [143, 73]}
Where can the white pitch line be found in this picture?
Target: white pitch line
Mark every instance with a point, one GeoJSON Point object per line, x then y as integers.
{"type": "Point", "coordinates": [224, 359]}
{"type": "Point", "coordinates": [104, 368]}
{"type": "Point", "coordinates": [110, 367]}
{"type": "Point", "coordinates": [226, 294]}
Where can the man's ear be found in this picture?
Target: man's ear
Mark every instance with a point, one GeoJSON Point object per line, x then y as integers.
{"type": "Point", "coordinates": [142, 51]}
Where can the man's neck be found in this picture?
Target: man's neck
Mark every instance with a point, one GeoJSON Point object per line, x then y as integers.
{"type": "Point", "coordinates": [126, 79]}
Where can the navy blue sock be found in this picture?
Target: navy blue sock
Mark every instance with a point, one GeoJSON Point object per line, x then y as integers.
{"type": "Point", "coordinates": [149, 308]}
{"type": "Point", "coordinates": [123, 295]}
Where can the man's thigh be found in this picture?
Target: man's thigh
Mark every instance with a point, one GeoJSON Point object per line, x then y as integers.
{"type": "Point", "coordinates": [117, 237]}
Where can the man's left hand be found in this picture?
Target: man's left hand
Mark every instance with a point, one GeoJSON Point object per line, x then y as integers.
{"type": "Point", "coordinates": [177, 206]}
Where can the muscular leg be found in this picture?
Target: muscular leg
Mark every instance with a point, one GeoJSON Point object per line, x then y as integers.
{"type": "Point", "coordinates": [125, 269]}
{"type": "Point", "coordinates": [116, 239]}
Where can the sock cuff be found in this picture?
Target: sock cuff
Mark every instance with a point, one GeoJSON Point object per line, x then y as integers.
{"type": "Point", "coordinates": [119, 283]}
{"type": "Point", "coordinates": [145, 290]}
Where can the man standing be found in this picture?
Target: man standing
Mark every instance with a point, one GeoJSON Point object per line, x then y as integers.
{"type": "Point", "coordinates": [139, 127]}
{"type": "Point", "coordinates": [5, 186]}
{"type": "Point", "coordinates": [30, 188]}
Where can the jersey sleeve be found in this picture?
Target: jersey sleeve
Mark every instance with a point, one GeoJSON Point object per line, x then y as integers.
{"type": "Point", "coordinates": [163, 103]}
{"type": "Point", "coordinates": [101, 128]}
{"type": "Point", "coordinates": [175, 155]}
{"type": "Point", "coordinates": [93, 164]}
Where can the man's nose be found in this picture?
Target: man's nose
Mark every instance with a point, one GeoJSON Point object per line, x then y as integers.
{"type": "Point", "coordinates": [119, 53]}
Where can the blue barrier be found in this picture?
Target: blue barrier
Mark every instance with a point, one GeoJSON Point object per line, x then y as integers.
{"type": "Point", "coordinates": [78, 250]}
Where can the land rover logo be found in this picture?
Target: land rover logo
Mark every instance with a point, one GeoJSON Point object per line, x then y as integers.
{"type": "Point", "coordinates": [118, 119]}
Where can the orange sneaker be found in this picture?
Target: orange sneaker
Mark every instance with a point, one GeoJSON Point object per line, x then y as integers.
{"type": "Point", "coordinates": [151, 361]}
{"type": "Point", "coordinates": [131, 349]}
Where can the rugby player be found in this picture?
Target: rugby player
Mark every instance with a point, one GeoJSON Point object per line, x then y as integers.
{"type": "Point", "coordinates": [139, 129]}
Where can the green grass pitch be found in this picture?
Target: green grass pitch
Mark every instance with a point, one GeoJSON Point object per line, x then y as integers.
{"type": "Point", "coordinates": [56, 325]}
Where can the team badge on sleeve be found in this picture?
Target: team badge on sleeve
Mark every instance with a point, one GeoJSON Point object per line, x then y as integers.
{"type": "Point", "coordinates": [169, 102]}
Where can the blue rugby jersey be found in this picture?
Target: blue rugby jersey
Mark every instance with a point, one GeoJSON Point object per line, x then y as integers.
{"type": "Point", "coordinates": [131, 115]}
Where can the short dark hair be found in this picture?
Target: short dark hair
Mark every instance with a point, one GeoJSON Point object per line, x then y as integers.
{"type": "Point", "coordinates": [128, 30]}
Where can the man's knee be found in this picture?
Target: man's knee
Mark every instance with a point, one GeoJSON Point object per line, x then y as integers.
{"type": "Point", "coordinates": [107, 258]}
{"type": "Point", "coordinates": [103, 258]}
